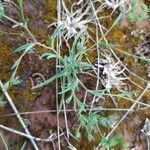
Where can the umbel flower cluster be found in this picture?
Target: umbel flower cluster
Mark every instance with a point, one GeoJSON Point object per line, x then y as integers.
{"type": "Point", "coordinates": [110, 73]}
{"type": "Point", "coordinates": [122, 5]}
{"type": "Point", "coordinates": [73, 21]}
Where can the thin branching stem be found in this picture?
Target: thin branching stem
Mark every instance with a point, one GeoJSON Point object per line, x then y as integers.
{"type": "Point", "coordinates": [21, 25]}
{"type": "Point", "coordinates": [49, 48]}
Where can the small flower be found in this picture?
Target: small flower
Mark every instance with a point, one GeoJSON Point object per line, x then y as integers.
{"type": "Point", "coordinates": [73, 22]}
{"type": "Point", "coordinates": [146, 128]}
{"type": "Point", "coordinates": [110, 73]}
{"type": "Point", "coordinates": [115, 4]}
{"type": "Point", "coordinates": [146, 132]}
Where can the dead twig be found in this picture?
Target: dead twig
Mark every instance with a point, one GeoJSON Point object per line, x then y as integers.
{"type": "Point", "coordinates": [131, 109]}
{"type": "Point", "coordinates": [49, 139]}
{"type": "Point", "coordinates": [5, 144]}
{"type": "Point", "coordinates": [17, 114]}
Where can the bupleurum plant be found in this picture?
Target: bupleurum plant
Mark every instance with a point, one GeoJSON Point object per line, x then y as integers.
{"type": "Point", "coordinates": [73, 21]}
{"type": "Point", "coordinates": [108, 72]}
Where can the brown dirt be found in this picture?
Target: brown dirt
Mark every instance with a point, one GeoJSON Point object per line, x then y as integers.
{"type": "Point", "coordinates": [41, 13]}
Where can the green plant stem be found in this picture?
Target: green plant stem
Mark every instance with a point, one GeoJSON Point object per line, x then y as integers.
{"type": "Point", "coordinates": [29, 32]}
{"type": "Point", "coordinates": [53, 50]}
{"type": "Point", "coordinates": [21, 25]}
{"type": "Point", "coordinates": [16, 68]}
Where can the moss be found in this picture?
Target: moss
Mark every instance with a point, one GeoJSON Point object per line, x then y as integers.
{"type": "Point", "coordinates": [118, 35]}
{"type": "Point", "coordinates": [51, 11]}
{"type": "Point", "coordinates": [28, 94]}
{"type": "Point", "coordinates": [6, 60]}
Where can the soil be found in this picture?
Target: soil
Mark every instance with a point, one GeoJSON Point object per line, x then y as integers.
{"type": "Point", "coordinates": [32, 70]}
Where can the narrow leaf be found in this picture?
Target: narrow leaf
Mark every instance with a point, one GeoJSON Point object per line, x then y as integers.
{"type": "Point", "coordinates": [23, 146]}
{"type": "Point", "coordinates": [126, 53]}
{"type": "Point", "coordinates": [20, 2]}
{"type": "Point", "coordinates": [16, 81]}
{"type": "Point", "coordinates": [53, 37]}
{"type": "Point", "coordinates": [98, 93]}
{"type": "Point", "coordinates": [7, 85]}
{"type": "Point", "coordinates": [114, 140]}
{"type": "Point", "coordinates": [70, 86]}
{"type": "Point", "coordinates": [117, 20]}
{"type": "Point", "coordinates": [106, 45]}
{"type": "Point", "coordinates": [147, 60]}
{"type": "Point", "coordinates": [58, 75]}
{"type": "Point", "coordinates": [85, 66]}
{"type": "Point", "coordinates": [17, 62]}
{"type": "Point", "coordinates": [2, 102]}
{"type": "Point", "coordinates": [25, 47]}
{"type": "Point", "coordinates": [49, 55]}
{"type": "Point", "coordinates": [126, 94]}
{"type": "Point", "coordinates": [68, 100]}
{"type": "Point", "coordinates": [2, 13]}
